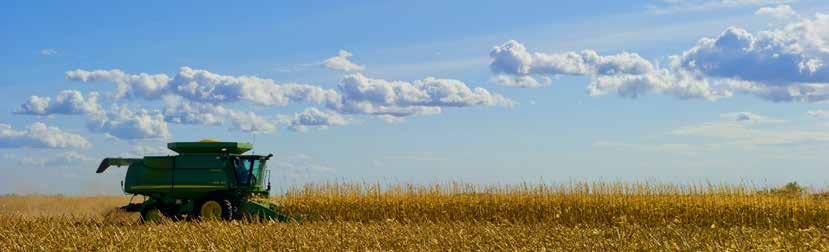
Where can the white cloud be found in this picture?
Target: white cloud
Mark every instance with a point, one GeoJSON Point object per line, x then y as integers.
{"type": "Point", "coordinates": [251, 122]}
{"type": "Point", "coordinates": [781, 12]}
{"type": "Point", "coordinates": [779, 65]}
{"type": "Point", "coordinates": [341, 62]}
{"type": "Point", "coordinates": [123, 123]}
{"type": "Point", "coordinates": [196, 96]}
{"type": "Point", "coordinates": [312, 117]}
{"type": "Point", "coordinates": [786, 57]}
{"type": "Point", "coordinates": [818, 113]}
{"type": "Point", "coordinates": [141, 150]}
{"type": "Point", "coordinates": [148, 86]}
{"type": "Point", "coordinates": [178, 110]}
{"type": "Point", "coordinates": [119, 121]}
{"type": "Point", "coordinates": [390, 119]}
{"type": "Point", "coordinates": [627, 74]}
{"type": "Point", "coordinates": [674, 6]}
{"type": "Point", "coordinates": [204, 86]}
{"type": "Point", "coordinates": [783, 65]}
{"type": "Point", "coordinates": [519, 81]}
{"type": "Point", "coordinates": [363, 95]}
{"type": "Point", "coordinates": [48, 52]}
{"type": "Point", "coordinates": [817, 93]}
{"type": "Point", "coordinates": [748, 117]}
{"type": "Point", "coordinates": [67, 102]}
{"type": "Point", "coordinates": [39, 135]}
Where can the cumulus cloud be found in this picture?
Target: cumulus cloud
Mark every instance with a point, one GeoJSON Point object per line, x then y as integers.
{"type": "Point", "coordinates": [390, 119]}
{"type": "Point", "coordinates": [780, 65]}
{"type": "Point", "coordinates": [783, 65]}
{"type": "Point", "coordinates": [198, 97]}
{"type": "Point", "coordinates": [183, 112]}
{"type": "Point", "coordinates": [519, 81]}
{"type": "Point", "coordinates": [674, 6]}
{"type": "Point", "coordinates": [312, 117]}
{"type": "Point", "coordinates": [774, 59]}
{"type": "Point", "coordinates": [119, 121]}
{"type": "Point", "coordinates": [249, 121]}
{"type": "Point", "coordinates": [781, 12]}
{"type": "Point", "coordinates": [149, 86]}
{"type": "Point", "coordinates": [178, 110]}
{"type": "Point", "coordinates": [513, 58]}
{"type": "Point", "coordinates": [748, 117]}
{"type": "Point", "coordinates": [67, 102]}
{"type": "Point", "coordinates": [627, 74]}
{"type": "Point", "coordinates": [39, 135]}
{"type": "Point", "coordinates": [363, 95]}
{"type": "Point", "coordinates": [204, 86]}
{"type": "Point", "coordinates": [123, 123]}
{"type": "Point", "coordinates": [818, 113]}
{"type": "Point", "coordinates": [357, 94]}
{"type": "Point", "coordinates": [341, 63]}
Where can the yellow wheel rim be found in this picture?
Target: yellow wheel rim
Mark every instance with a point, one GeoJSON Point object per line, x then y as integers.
{"type": "Point", "coordinates": [153, 215]}
{"type": "Point", "coordinates": [211, 210]}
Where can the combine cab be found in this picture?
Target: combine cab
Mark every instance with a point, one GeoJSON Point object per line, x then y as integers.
{"type": "Point", "coordinates": [206, 180]}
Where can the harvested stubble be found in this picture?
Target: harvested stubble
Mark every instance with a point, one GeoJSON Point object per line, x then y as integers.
{"type": "Point", "coordinates": [447, 216]}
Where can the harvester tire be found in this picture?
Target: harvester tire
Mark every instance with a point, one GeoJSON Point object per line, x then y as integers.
{"type": "Point", "coordinates": [214, 209]}
{"type": "Point", "coordinates": [151, 215]}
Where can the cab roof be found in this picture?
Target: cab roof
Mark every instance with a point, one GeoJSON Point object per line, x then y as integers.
{"type": "Point", "coordinates": [211, 146]}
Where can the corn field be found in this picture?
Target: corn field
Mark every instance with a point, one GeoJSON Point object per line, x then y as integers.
{"type": "Point", "coordinates": [450, 216]}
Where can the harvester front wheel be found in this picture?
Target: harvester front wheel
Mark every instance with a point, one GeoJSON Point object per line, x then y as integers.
{"type": "Point", "coordinates": [215, 209]}
{"type": "Point", "coordinates": [151, 214]}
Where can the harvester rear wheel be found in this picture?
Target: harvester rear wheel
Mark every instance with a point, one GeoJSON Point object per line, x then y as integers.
{"type": "Point", "coordinates": [213, 209]}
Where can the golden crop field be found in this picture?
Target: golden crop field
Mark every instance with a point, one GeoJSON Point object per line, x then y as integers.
{"type": "Point", "coordinates": [451, 216]}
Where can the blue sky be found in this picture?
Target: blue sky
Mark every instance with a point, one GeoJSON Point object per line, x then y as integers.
{"type": "Point", "coordinates": [481, 91]}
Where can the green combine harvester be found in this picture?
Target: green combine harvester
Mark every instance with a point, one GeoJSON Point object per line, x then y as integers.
{"type": "Point", "coordinates": [206, 180]}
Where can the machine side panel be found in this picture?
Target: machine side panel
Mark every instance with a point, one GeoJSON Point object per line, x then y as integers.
{"type": "Point", "coordinates": [151, 175]}
{"type": "Point", "coordinates": [198, 174]}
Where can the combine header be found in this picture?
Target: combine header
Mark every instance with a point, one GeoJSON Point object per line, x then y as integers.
{"type": "Point", "coordinates": [206, 180]}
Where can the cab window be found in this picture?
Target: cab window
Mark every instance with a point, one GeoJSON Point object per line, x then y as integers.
{"type": "Point", "coordinates": [247, 170]}
{"type": "Point", "coordinates": [242, 171]}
